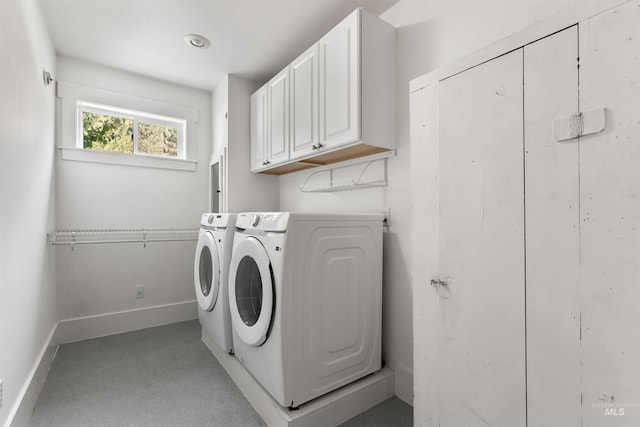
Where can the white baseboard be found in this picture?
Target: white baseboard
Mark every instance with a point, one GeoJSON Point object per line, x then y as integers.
{"type": "Point", "coordinates": [331, 409]}
{"type": "Point", "coordinates": [404, 384]}
{"type": "Point", "coordinates": [23, 408]}
{"type": "Point", "coordinates": [101, 325]}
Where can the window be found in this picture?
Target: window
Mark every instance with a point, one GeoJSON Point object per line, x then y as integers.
{"type": "Point", "coordinates": [117, 130]}
{"type": "Point", "coordinates": [127, 130]}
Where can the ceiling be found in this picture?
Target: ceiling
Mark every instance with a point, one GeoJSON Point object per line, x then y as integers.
{"type": "Point", "coordinates": [250, 38]}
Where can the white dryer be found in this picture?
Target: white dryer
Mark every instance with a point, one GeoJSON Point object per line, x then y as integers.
{"type": "Point", "coordinates": [211, 273]}
{"type": "Point", "coordinates": [305, 296]}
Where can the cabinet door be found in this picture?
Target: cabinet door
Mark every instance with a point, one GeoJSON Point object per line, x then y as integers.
{"type": "Point", "coordinates": [552, 230]}
{"type": "Point", "coordinates": [481, 362]}
{"type": "Point", "coordinates": [304, 103]}
{"type": "Point", "coordinates": [340, 83]}
{"type": "Point", "coordinates": [278, 113]}
{"type": "Point", "coordinates": [610, 219]}
{"type": "Point", "coordinates": [259, 129]}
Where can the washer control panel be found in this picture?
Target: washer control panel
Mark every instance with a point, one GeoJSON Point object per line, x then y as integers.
{"type": "Point", "coordinates": [216, 220]}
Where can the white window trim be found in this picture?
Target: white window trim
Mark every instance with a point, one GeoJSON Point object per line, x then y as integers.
{"type": "Point", "coordinates": [72, 96]}
{"type": "Point", "coordinates": [125, 159]}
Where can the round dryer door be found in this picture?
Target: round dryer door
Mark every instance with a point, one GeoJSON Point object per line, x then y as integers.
{"type": "Point", "coordinates": [251, 291]}
{"type": "Point", "coordinates": [206, 271]}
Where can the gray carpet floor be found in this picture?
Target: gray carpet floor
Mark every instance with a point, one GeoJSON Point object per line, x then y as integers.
{"type": "Point", "coordinates": [162, 376]}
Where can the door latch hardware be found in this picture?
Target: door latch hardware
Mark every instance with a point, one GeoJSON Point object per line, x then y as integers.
{"type": "Point", "coordinates": [579, 124]}
{"type": "Point", "coordinates": [437, 283]}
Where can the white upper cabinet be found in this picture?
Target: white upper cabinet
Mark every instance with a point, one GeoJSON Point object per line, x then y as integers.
{"type": "Point", "coordinates": [259, 129]}
{"type": "Point", "coordinates": [278, 113]}
{"type": "Point", "coordinates": [339, 101]}
{"type": "Point", "coordinates": [270, 123]}
{"type": "Point", "coordinates": [304, 103]}
{"type": "Point", "coordinates": [340, 83]}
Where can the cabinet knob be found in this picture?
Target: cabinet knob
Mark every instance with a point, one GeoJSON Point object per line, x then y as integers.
{"type": "Point", "coordinates": [314, 147]}
{"type": "Point", "coordinates": [320, 145]}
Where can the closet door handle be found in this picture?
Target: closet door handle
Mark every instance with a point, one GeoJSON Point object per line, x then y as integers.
{"type": "Point", "coordinates": [436, 283]}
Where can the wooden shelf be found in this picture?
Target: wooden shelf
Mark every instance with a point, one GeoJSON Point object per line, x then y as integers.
{"type": "Point", "coordinates": [330, 157]}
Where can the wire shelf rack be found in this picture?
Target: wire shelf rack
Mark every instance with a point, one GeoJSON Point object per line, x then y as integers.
{"type": "Point", "coordinates": [133, 235]}
{"type": "Point", "coordinates": [363, 179]}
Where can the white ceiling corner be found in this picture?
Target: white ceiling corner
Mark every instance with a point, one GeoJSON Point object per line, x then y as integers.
{"type": "Point", "coordinates": [250, 38]}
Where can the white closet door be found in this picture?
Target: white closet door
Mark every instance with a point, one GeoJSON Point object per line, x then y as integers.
{"type": "Point", "coordinates": [482, 342]}
{"type": "Point", "coordinates": [610, 218]}
{"type": "Point", "coordinates": [278, 144]}
{"type": "Point", "coordinates": [424, 183]}
{"type": "Point", "coordinates": [552, 233]}
{"type": "Point", "coordinates": [340, 83]}
{"type": "Point", "coordinates": [304, 103]}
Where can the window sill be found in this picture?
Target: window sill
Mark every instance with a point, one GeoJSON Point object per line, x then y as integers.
{"type": "Point", "coordinates": [82, 155]}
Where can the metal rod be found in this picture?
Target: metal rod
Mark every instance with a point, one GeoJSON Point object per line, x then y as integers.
{"type": "Point", "coordinates": [91, 242]}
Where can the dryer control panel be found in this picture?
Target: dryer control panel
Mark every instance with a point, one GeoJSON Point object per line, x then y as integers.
{"type": "Point", "coordinates": [265, 221]}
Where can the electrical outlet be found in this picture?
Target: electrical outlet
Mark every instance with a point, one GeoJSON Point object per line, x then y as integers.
{"type": "Point", "coordinates": [0, 394]}
{"type": "Point", "coordinates": [140, 291]}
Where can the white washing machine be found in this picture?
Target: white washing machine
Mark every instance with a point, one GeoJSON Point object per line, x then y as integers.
{"type": "Point", "coordinates": [305, 296]}
{"type": "Point", "coordinates": [211, 274]}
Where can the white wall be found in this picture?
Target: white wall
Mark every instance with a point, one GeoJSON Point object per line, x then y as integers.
{"type": "Point", "coordinates": [27, 286]}
{"type": "Point", "coordinates": [430, 35]}
{"type": "Point", "coordinates": [100, 279]}
{"type": "Point", "coordinates": [231, 110]}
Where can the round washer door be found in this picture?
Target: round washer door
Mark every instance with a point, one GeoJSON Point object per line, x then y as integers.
{"type": "Point", "coordinates": [251, 291]}
{"type": "Point", "coordinates": [206, 271]}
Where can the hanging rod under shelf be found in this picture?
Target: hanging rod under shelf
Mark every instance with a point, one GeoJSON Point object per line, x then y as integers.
{"type": "Point", "coordinates": [350, 184]}
{"type": "Point", "coordinates": [142, 235]}
{"type": "Point", "coordinates": [343, 187]}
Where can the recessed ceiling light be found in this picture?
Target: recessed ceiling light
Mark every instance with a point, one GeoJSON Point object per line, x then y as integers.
{"type": "Point", "coordinates": [196, 40]}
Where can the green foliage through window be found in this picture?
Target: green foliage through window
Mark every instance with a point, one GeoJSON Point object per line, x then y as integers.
{"type": "Point", "coordinates": [107, 133]}
{"type": "Point", "coordinates": [131, 132]}
{"type": "Point", "coordinates": [158, 140]}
